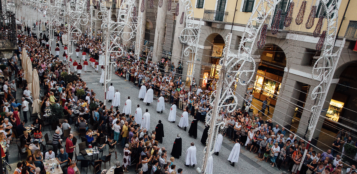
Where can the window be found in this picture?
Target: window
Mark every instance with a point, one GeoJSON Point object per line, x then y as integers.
{"type": "Point", "coordinates": [351, 32]}
{"type": "Point", "coordinates": [248, 5]}
{"type": "Point", "coordinates": [200, 3]}
{"type": "Point", "coordinates": [321, 11]}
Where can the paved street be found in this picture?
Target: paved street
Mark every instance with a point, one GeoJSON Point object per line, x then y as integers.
{"type": "Point", "coordinates": [248, 162]}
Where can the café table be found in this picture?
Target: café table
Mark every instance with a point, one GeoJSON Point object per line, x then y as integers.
{"type": "Point", "coordinates": [52, 167]}
{"type": "Point", "coordinates": [92, 151]}
{"type": "Point", "coordinates": [111, 170]}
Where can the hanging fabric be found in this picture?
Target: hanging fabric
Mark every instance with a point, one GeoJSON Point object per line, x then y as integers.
{"type": "Point", "coordinates": [263, 35]}
{"type": "Point", "coordinates": [289, 16]}
{"type": "Point", "coordinates": [321, 41]}
{"type": "Point", "coordinates": [317, 30]}
{"type": "Point", "coordinates": [182, 16]}
{"type": "Point", "coordinates": [177, 9]}
{"type": "Point", "coordinates": [311, 20]}
{"type": "Point", "coordinates": [88, 5]}
{"type": "Point", "coordinates": [142, 9]}
{"type": "Point", "coordinates": [98, 5]}
{"type": "Point", "coordinates": [161, 2]}
{"type": "Point", "coordinates": [300, 17]}
{"type": "Point", "coordinates": [151, 3]}
{"type": "Point", "coordinates": [169, 5]}
{"type": "Point", "coordinates": [276, 23]}
{"type": "Point", "coordinates": [134, 12]}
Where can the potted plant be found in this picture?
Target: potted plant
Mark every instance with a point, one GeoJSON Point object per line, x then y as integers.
{"type": "Point", "coordinates": [64, 74]}
{"type": "Point", "coordinates": [70, 78]}
{"type": "Point", "coordinates": [56, 114]}
{"type": "Point", "coordinates": [80, 93]}
{"type": "Point", "coordinates": [350, 153]}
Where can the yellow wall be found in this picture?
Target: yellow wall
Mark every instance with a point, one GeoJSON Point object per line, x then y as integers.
{"type": "Point", "coordinates": [243, 17]}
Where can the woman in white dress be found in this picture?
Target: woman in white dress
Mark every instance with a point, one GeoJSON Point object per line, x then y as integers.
{"type": "Point", "coordinates": [250, 137]}
{"type": "Point", "coordinates": [126, 157]}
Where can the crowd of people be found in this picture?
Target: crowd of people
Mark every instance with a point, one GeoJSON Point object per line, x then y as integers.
{"type": "Point", "coordinates": [102, 126]}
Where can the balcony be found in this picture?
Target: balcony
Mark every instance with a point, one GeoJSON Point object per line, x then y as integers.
{"type": "Point", "coordinates": [215, 16]}
{"type": "Point", "coordinates": [351, 32]}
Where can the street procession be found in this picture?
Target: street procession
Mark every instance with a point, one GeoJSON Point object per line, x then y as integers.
{"type": "Point", "coordinates": [178, 86]}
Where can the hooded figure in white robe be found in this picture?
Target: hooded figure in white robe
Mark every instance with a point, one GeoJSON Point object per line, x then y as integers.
{"type": "Point", "coordinates": [218, 144]}
{"type": "Point", "coordinates": [142, 92]}
{"type": "Point", "coordinates": [183, 124]}
{"type": "Point", "coordinates": [209, 166]}
{"type": "Point", "coordinates": [160, 105]}
{"type": "Point", "coordinates": [145, 124]}
{"type": "Point", "coordinates": [149, 96]}
{"type": "Point", "coordinates": [234, 155]}
{"type": "Point", "coordinates": [138, 115]}
{"type": "Point", "coordinates": [116, 101]}
{"type": "Point", "coordinates": [172, 115]}
{"type": "Point", "coordinates": [102, 77]}
{"type": "Point", "coordinates": [110, 93]}
{"type": "Point", "coordinates": [191, 159]}
{"type": "Point", "coordinates": [127, 107]}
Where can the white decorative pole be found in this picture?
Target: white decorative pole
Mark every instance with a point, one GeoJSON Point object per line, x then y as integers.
{"type": "Point", "coordinates": [69, 39]}
{"type": "Point", "coordinates": [106, 67]}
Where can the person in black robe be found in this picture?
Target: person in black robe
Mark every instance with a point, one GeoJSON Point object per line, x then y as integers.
{"type": "Point", "coordinates": [192, 132]}
{"type": "Point", "coordinates": [204, 135]}
{"type": "Point", "coordinates": [159, 131]}
{"type": "Point", "coordinates": [177, 147]}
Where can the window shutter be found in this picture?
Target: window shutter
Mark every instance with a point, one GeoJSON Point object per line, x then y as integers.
{"type": "Point", "coordinates": [248, 5]}
{"type": "Point", "coordinates": [200, 3]}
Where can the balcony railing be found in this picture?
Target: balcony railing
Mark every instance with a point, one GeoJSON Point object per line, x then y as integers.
{"type": "Point", "coordinates": [351, 32]}
{"type": "Point", "coordinates": [213, 15]}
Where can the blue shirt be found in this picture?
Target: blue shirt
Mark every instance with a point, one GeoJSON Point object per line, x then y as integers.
{"type": "Point", "coordinates": [14, 105]}
{"type": "Point", "coordinates": [89, 139]}
{"type": "Point", "coordinates": [62, 157]}
{"type": "Point", "coordinates": [96, 116]}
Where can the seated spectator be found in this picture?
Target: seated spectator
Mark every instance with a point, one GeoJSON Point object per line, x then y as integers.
{"type": "Point", "coordinates": [50, 155]}
{"type": "Point", "coordinates": [62, 158]}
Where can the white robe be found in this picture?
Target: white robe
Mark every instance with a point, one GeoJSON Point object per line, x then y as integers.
{"type": "Point", "coordinates": [116, 101]}
{"type": "Point", "coordinates": [142, 92]}
{"type": "Point", "coordinates": [138, 115]}
{"type": "Point", "coordinates": [191, 156]}
{"type": "Point", "coordinates": [149, 96]}
{"type": "Point", "coordinates": [77, 53]}
{"type": "Point", "coordinates": [110, 93]}
{"type": "Point", "coordinates": [102, 77]}
{"type": "Point", "coordinates": [209, 166]}
{"type": "Point", "coordinates": [183, 120]}
{"type": "Point", "coordinates": [249, 138]}
{"type": "Point", "coordinates": [145, 124]}
{"type": "Point", "coordinates": [172, 115]}
{"type": "Point", "coordinates": [160, 104]}
{"type": "Point", "coordinates": [127, 107]}
{"type": "Point", "coordinates": [218, 143]}
{"type": "Point", "coordinates": [234, 155]}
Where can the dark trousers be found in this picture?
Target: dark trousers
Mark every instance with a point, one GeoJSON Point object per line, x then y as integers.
{"type": "Point", "coordinates": [55, 148]}
{"type": "Point", "coordinates": [279, 162]}
{"type": "Point", "coordinates": [70, 156]}
{"type": "Point", "coordinates": [25, 116]}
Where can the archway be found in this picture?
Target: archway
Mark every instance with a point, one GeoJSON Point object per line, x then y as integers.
{"type": "Point", "coordinates": [210, 67]}
{"type": "Point", "coordinates": [269, 77]}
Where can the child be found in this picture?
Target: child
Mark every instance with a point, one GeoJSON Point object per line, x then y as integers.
{"type": "Point", "coordinates": [172, 159]}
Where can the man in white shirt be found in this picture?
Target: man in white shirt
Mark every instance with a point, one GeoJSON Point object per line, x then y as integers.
{"type": "Point", "coordinates": [34, 146]}
{"type": "Point", "coordinates": [25, 108]}
{"type": "Point", "coordinates": [50, 155]}
{"type": "Point", "coordinates": [27, 94]}
{"type": "Point", "coordinates": [6, 89]}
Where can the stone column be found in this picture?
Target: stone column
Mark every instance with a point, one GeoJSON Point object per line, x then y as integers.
{"type": "Point", "coordinates": [141, 27]}
{"type": "Point", "coordinates": [177, 46]}
{"type": "Point", "coordinates": [127, 29]}
{"type": "Point", "coordinates": [160, 30]}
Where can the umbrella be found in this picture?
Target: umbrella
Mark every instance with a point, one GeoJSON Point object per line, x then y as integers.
{"type": "Point", "coordinates": [28, 71]}
{"type": "Point", "coordinates": [35, 90]}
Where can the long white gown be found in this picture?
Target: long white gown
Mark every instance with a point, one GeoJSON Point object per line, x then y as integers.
{"type": "Point", "coordinates": [183, 120]}
{"type": "Point", "coordinates": [249, 138]}
{"type": "Point", "coordinates": [127, 107]}
{"type": "Point", "coordinates": [110, 93]}
{"type": "Point", "coordinates": [145, 124]}
{"type": "Point", "coordinates": [116, 101]}
{"type": "Point", "coordinates": [102, 77]}
{"type": "Point", "coordinates": [142, 92]}
{"type": "Point", "coordinates": [191, 156]}
{"type": "Point", "coordinates": [218, 143]}
{"type": "Point", "coordinates": [149, 96]}
{"type": "Point", "coordinates": [209, 166]}
{"type": "Point", "coordinates": [172, 115]}
{"type": "Point", "coordinates": [160, 104]}
{"type": "Point", "coordinates": [138, 115]}
{"type": "Point", "coordinates": [234, 155]}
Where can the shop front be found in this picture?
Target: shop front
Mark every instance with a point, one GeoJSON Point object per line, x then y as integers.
{"type": "Point", "coordinates": [267, 85]}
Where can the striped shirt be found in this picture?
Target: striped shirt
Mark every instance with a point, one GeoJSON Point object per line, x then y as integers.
{"type": "Point", "coordinates": [55, 139]}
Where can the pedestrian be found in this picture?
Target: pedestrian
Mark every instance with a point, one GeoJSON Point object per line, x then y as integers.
{"type": "Point", "coordinates": [138, 115]}
{"type": "Point", "coordinates": [234, 155]}
{"type": "Point", "coordinates": [149, 96]}
{"type": "Point", "coordinates": [127, 107]}
{"type": "Point", "coordinates": [116, 101]}
{"type": "Point", "coordinates": [160, 105]}
{"type": "Point", "coordinates": [172, 114]}
{"type": "Point", "coordinates": [159, 131]}
{"type": "Point", "coordinates": [191, 159]}
{"type": "Point", "coordinates": [183, 124]}
{"type": "Point", "coordinates": [145, 124]}
{"type": "Point", "coordinates": [110, 93]}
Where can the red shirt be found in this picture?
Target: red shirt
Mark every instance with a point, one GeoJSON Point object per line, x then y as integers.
{"type": "Point", "coordinates": [85, 63]}
{"type": "Point", "coordinates": [69, 143]}
{"type": "Point", "coordinates": [79, 67]}
{"type": "Point", "coordinates": [65, 48]}
{"type": "Point", "coordinates": [84, 53]}
{"type": "Point", "coordinates": [57, 49]}
{"type": "Point", "coordinates": [96, 63]}
{"type": "Point", "coordinates": [75, 63]}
